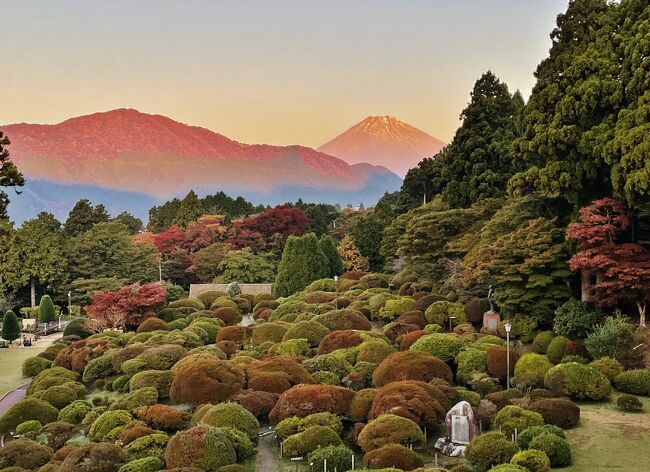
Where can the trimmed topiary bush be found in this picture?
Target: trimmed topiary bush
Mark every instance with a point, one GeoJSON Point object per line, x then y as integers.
{"type": "Point", "coordinates": [59, 396]}
{"type": "Point", "coordinates": [339, 339]}
{"type": "Point", "coordinates": [312, 331]}
{"type": "Point", "coordinates": [531, 369]}
{"type": "Point", "coordinates": [203, 447]}
{"type": "Point", "coordinates": [527, 435]}
{"type": "Point", "coordinates": [146, 464]}
{"type": "Point", "coordinates": [152, 324]}
{"type": "Point", "coordinates": [503, 397]}
{"type": "Point", "coordinates": [392, 455]}
{"type": "Point", "coordinates": [24, 454]}
{"type": "Point", "coordinates": [161, 416]}
{"type": "Point", "coordinates": [228, 414]}
{"type": "Point", "coordinates": [508, 468]}
{"type": "Point", "coordinates": [31, 426]}
{"type": "Point", "coordinates": [144, 396]}
{"type": "Point", "coordinates": [108, 424]}
{"type": "Point", "coordinates": [75, 412]}
{"type": "Point", "coordinates": [629, 403]}
{"type": "Point", "coordinates": [204, 380]}
{"type": "Point", "coordinates": [361, 404]}
{"type": "Point", "coordinates": [161, 380]}
{"type": "Point", "coordinates": [411, 365]}
{"type": "Point", "coordinates": [389, 429]}
{"type": "Point", "coordinates": [443, 346]}
{"type": "Point", "coordinates": [542, 341]}
{"type": "Point", "coordinates": [607, 366]}
{"type": "Point", "coordinates": [392, 309]}
{"type": "Point", "coordinates": [294, 425]}
{"type": "Point", "coordinates": [470, 362]}
{"type": "Point", "coordinates": [556, 448]}
{"type": "Point", "coordinates": [93, 457]}
{"type": "Point", "coordinates": [532, 460]}
{"type": "Point", "coordinates": [304, 399]}
{"type": "Point", "coordinates": [557, 349]}
{"type": "Point", "coordinates": [420, 402]}
{"type": "Point", "coordinates": [268, 332]}
{"type": "Point", "coordinates": [636, 382]}
{"type": "Point", "coordinates": [337, 457]}
{"type": "Point", "coordinates": [310, 439]}
{"type": "Point", "coordinates": [578, 381]}
{"type": "Point", "coordinates": [513, 417]}
{"type": "Point", "coordinates": [25, 410]}
{"type": "Point", "coordinates": [440, 311]}
{"type": "Point", "coordinates": [276, 375]}
{"type": "Point", "coordinates": [188, 303]}
{"type": "Point", "coordinates": [151, 445]}
{"type": "Point", "coordinates": [560, 412]}
{"type": "Point", "coordinates": [497, 362]}
{"type": "Point", "coordinates": [344, 319]}
{"type": "Point", "coordinates": [490, 449]}
{"type": "Point", "coordinates": [33, 366]}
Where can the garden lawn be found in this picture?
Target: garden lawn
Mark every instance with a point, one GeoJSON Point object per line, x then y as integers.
{"type": "Point", "coordinates": [611, 439]}
{"type": "Point", "coordinates": [11, 362]}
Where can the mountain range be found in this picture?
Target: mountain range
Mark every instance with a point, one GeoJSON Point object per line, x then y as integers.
{"type": "Point", "coordinates": [130, 160]}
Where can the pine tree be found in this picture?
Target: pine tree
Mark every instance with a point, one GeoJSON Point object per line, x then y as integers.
{"type": "Point", "coordinates": [189, 210]}
{"type": "Point", "coordinates": [10, 326]}
{"type": "Point", "coordinates": [351, 256]}
{"type": "Point", "coordinates": [303, 261]}
{"type": "Point", "coordinates": [46, 310]}
{"type": "Point", "coordinates": [328, 247]}
{"type": "Point", "coordinates": [9, 175]}
{"type": "Point", "coordinates": [83, 216]}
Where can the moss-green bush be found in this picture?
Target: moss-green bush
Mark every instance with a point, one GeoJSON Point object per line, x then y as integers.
{"type": "Point", "coordinates": [442, 346]}
{"type": "Point", "coordinates": [202, 447]}
{"type": "Point", "coordinates": [188, 303]}
{"type": "Point", "coordinates": [291, 347]}
{"type": "Point", "coordinates": [388, 428]}
{"type": "Point", "coordinates": [24, 454]}
{"type": "Point", "coordinates": [556, 349]}
{"type": "Point", "coordinates": [473, 398]}
{"type": "Point", "coordinates": [268, 332]}
{"type": "Point", "coordinates": [531, 369]}
{"type": "Point", "coordinates": [31, 426]}
{"type": "Point", "coordinates": [629, 403]}
{"type": "Point", "coordinates": [108, 424]}
{"type": "Point", "coordinates": [228, 414]}
{"type": "Point", "coordinates": [374, 351]}
{"type": "Point", "coordinates": [144, 396]}
{"type": "Point", "coordinates": [556, 448]}
{"type": "Point", "coordinates": [312, 331]}
{"type": "Point", "coordinates": [439, 313]}
{"type": "Point", "coordinates": [244, 447]}
{"type": "Point", "coordinates": [146, 464]}
{"type": "Point", "coordinates": [337, 457]}
{"type": "Point", "coordinates": [309, 440]}
{"type": "Point", "coordinates": [59, 396]}
{"type": "Point", "coordinates": [329, 362]}
{"type": "Point", "coordinates": [508, 468]}
{"type": "Point", "coordinates": [151, 445]}
{"type": "Point", "coordinates": [294, 424]}
{"type": "Point", "coordinates": [542, 340]}
{"type": "Point", "coordinates": [470, 362]}
{"type": "Point", "coordinates": [636, 382]}
{"type": "Point", "coordinates": [75, 412]}
{"type": "Point", "coordinates": [392, 309]}
{"type": "Point", "coordinates": [527, 435]}
{"type": "Point", "coordinates": [25, 410]}
{"type": "Point", "coordinates": [607, 366]}
{"type": "Point", "coordinates": [288, 308]}
{"type": "Point", "coordinates": [532, 460]}
{"type": "Point", "coordinates": [93, 457]}
{"type": "Point", "coordinates": [33, 366]}
{"type": "Point", "coordinates": [513, 417]}
{"type": "Point", "coordinates": [578, 381]}
{"type": "Point", "coordinates": [490, 449]}
{"type": "Point", "coordinates": [161, 380]}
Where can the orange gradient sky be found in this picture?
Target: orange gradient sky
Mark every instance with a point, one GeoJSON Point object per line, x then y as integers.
{"type": "Point", "coordinates": [277, 72]}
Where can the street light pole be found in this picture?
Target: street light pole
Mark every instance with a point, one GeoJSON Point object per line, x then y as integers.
{"type": "Point", "coordinates": [336, 300]}
{"type": "Point", "coordinates": [508, 327]}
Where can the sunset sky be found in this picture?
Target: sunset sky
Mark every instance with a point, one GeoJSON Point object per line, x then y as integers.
{"type": "Point", "coordinates": [274, 71]}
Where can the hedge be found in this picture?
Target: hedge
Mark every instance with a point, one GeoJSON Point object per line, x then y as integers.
{"type": "Point", "coordinates": [578, 381]}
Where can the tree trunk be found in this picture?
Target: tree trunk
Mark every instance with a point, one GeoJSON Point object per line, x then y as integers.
{"type": "Point", "coordinates": [641, 306]}
{"type": "Point", "coordinates": [33, 291]}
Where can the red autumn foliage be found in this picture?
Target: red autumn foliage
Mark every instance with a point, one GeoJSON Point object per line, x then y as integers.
{"type": "Point", "coordinates": [137, 302]}
{"type": "Point", "coordinates": [257, 402]}
{"type": "Point", "coordinates": [497, 362]}
{"type": "Point", "coordinates": [411, 365]}
{"type": "Point", "coordinates": [283, 220]}
{"type": "Point", "coordinates": [418, 401]}
{"type": "Point", "coordinates": [305, 399]}
{"type": "Point", "coordinates": [276, 374]}
{"type": "Point", "coordinates": [622, 269]}
{"type": "Point", "coordinates": [169, 240]}
{"type": "Point", "coordinates": [339, 339]}
{"type": "Point", "coordinates": [203, 232]}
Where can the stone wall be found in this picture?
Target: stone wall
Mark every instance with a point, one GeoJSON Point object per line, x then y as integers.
{"type": "Point", "coordinates": [253, 289]}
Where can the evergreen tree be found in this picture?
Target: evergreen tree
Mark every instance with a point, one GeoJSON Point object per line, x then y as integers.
{"type": "Point", "coordinates": [163, 216]}
{"type": "Point", "coordinates": [83, 216]}
{"type": "Point", "coordinates": [245, 267]}
{"type": "Point", "coordinates": [46, 310]}
{"type": "Point", "coordinates": [303, 261]}
{"type": "Point", "coordinates": [133, 224]}
{"type": "Point", "coordinates": [367, 233]}
{"type": "Point", "coordinates": [189, 210]}
{"type": "Point", "coordinates": [10, 327]}
{"type": "Point", "coordinates": [328, 247]}
{"type": "Point", "coordinates": [9, 175]}
{"type": "Point", "coordinates": [351, 256]}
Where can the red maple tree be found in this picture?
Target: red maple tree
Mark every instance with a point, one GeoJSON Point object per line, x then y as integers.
{"type": "Point", "coordinates": [283, 220]}
{"type": "Point", "coordinates": [135, 302]}
{"type": "Point", "coordinates": [622, 269]}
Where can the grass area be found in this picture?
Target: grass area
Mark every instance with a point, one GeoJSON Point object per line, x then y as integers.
{"type": "Point", "coordinates": [611, 439]}
{"type": "Point", "coordinates": [11, 361]}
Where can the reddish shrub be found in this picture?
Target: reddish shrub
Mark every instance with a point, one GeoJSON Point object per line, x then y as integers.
{"type": "Point", "coordinates": [342, 302]}
{"type": "Point", "coordinates": [205, 380]}
{"type": "Point", "coordinates": [235, 334]}
{"type": "Point", "coordinates": [420, 402]}
{"type": "Point", "coordinates": [303, 400]}
{"type": "Point", "coordinates": [339, 339]}
{"type": "Point", "coordinates": [319, 297]}
{"type": "Point", "coordinates": [415, 317]}
{"type": "Point", "coordinates": [201, 447]}
{"type": "Point", "coordinates": [497, 362]}
{"type": "Point", "coordinates": [228, 347]}
{"type": "Point", "coordinates": [560, 412]}
{"type": "Point", "coordinates": [392, 455]}
{"type": "Point", "coordinates": [133, 431]}
{"type": "Point", "coordinates": [228, 315]}
{"type": "Point", "coordinates": [394, 330]}
{"type": "Point", "coordinates": [76, 356]}
{"type": "Point", "coordinates": [423, 302]}
{"type": "Point", "coordinates": [152, 324]}
{"type": "Point", "coordinates": [276, 374]}
{"type": "Point", "coordinates": [161, 416]}
{"type": "Point", "coordinates": [353, 275]}
{"type": "Point", "coordinates": [407, 340]}
{"type": "Point", "coordinates": [475, 308]}
{"type": "Point", "coordinates": [411, 365]}
{"type": "Point", "coordinates": [362, 403]}
{"type": "Point", "coordinates": [264, 314]}
{"type": "Point", "coordinates": [258, 403]}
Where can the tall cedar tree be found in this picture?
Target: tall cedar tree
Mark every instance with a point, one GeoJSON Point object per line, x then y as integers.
{"type": "Point", "coordinates": [189, 210]}
{"type": "Point", "coordinates": [38, 248]}
{"type": "Point", "coordinates": [303, 261]}
{"type": "Point", "coordinates": [46, 310]}
{"type": "Point", "coordinates": [478, 163]}
{"type": "Point", "coordinates": [622, 269]}
{"type": "Point", "coordinates": [367, 233]}
{"type": "Point", "coordinates": [9, 175]}
{"type": "Point", "coordinates": [131, 222]}
{"type": "Point", "coordinates": [328, 246]}
{"type": "Point", "coordinates": [83, 216]}
{"type": "Point", "coordinates": [10, 327]}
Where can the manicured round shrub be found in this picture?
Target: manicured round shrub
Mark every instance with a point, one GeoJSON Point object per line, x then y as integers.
{"type": "Point", "coordinates": [607, 366]}
{"type": "Point", "coordinates": [513, 417]}
{"type": "Point", "coordinates": [152, 324]}
{"type": "Point", "coordinates": [151, 445]}
{"type": "Point", "coordinates": [33, 366]}
{"type": "Point", "coordinates": [93, 457]}
{"type": "Point", "coordinates": [411, 365]}
{"type": "Point", "coordinates": [202, 447]}
{"type": "Point", "coordinates": [532, 460]}
{"type": "Point", "coordinates": [502, 398]}
{"type": "Point", "coordinates": [374, 351]}
{"type": "Point", "coordinates": [490, 449]}
{"type": "Point", "coordinates": [232, 333]}
{"type": "Point", "coordinates": [75, 412]}
{"type": "Point", "coordinates": [230, 415]}
{"type": "Point", "coordinates": [108, 424]}
{"type": "Point", "coordinates": [636, 382]}
{"type": "Point", "coordinates": [531, 369]}
{"type": "Point", "coordinates": [392, 455]}
{"type": "Point", "coordinates": [229, 315]}
{"type": "Point", "coordinates": [309, 440]}
{"type": "Point", "coordinates": [575, 319]}
{"type": "Point", "coordinates": [205, 380]}
{"type": "Point", "coordinates": [257, 402]}
{"type": "Point", "coordinates": [473, 398]}
{"type": "Point", "coordinates": [557, 349]}
{"type": "Point", "coordinates": [312, 331]}
{"type": "Point", "coordinates": [25, 454]}
{"type": "Point", "coordinates": [146, 464]}
{"type": "Point", "coordinates": [161, 416]}
{"type": "Point", "coordinates": [527, 435]}
{"type": "Point", "coordinates": [188, 303]}
{"type": "Point", "coordinates": [268, 332]}
{"type": "Point", "coordinates": [161, 380]}
{"type": "Point", "coordinates": [76, 327]}
{"type": "Point", "coordinates": [541, 341]}
{"type": "Point", "coordinates": [578, 381]}
{"type": "Point", "coordinates": [629, 403]}
{"type": "Point", "coordinates": [304, 399]}
{"type": "Point", "coordinates": [31, 426]}
{"type": "Point", "coordinates": [418, 401]}
{"type": "Point", "coordinates": [294, 425]}
{"type": "Point", "coordinates": [142, 397]}
{"type": "Point", "coordinates": [337, 457]}
{"type": "Point", "coordinates": [291, 347]}
{"type": "Point", "coordinates": [340, 339]}
{"type": "Point", "coordinates": [388, 429]}
{"type": "Point", "coordinates": [407, 340]}
{"type": "Point", "coordinates": [392, 309]}
{"type": "Point", "coordinates": [344, 319]}
{"type": "Point", "coordinates": [161, 357]}
{"type": "Point", "coordinates": [560, 412]}
{"type": "Point", "coordinates": [443, 346]}
{"type": "Point", "coordinates": [56, 434]}
{"type": "Point", "coordinates": [333, 362]}
{"type": "Point", "coordinates": [470, 362]}
{"type": "Point", "coordinates": [27, 409]}
{"type": "Point", "coordinates": [276, 374]}
{"type": "Point", "coordinates": [556, 448]}
{"type": "Point", "coordinates": [508, 468]}
{"type": "Point", "coordinates": [59, 396]}
{"type": "Point", "coordinates": [439, 313]}
{"type": "Point", "coordinates": [497, 362]}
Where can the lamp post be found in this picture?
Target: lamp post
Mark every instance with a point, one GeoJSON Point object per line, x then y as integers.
{"type": "Point", "coordinates": [508, 327]}
{"type": "Point", "coordinates": [336, 287]}
{"type": "Point", "coordinates": [451, 318]}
